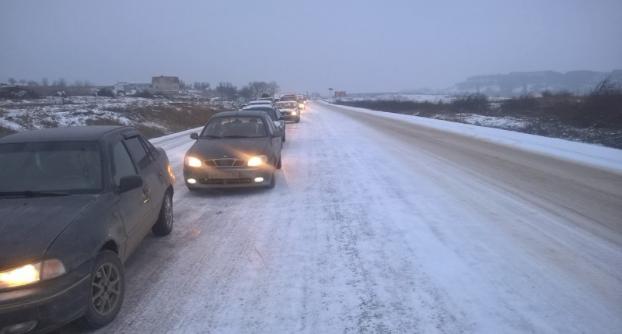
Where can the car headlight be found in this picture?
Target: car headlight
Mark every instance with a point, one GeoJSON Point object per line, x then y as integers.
{"type": "Point", "coordinates": [257, 161]}
{"type": "Point", "coordinates": [294, 113]}
{"type": "Point", "coordinates": [31, 273]}
{"type": "Point", "coordinates": [193, 162]}
{"type": "Point", "coordinates": [301, 106]}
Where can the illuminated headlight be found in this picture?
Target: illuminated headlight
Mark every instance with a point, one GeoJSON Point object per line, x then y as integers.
{"type": "Point", "coordinates": [301, 106]}
{"type": "Point", "coordinates": [294, 113]}
{"type": "Point", "coordinates": [257, 161]}
{"type": "Point", "coordinates": [31, 273]}
{"type": "Point", "coordinates": [193, 162]}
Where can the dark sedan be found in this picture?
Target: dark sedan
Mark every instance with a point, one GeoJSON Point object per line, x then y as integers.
{"type": "Point", "coordinates": [274, 114]}
{"type": "Point", "coordinates": [74, 204]}
{"type": "Point", "coordinates": [235, 149]}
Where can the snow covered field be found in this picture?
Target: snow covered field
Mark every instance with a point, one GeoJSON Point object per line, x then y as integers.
{"type": "Point", "coordinates": [378, 224]}
{"type": "Point", "coordinates": [152, 116]}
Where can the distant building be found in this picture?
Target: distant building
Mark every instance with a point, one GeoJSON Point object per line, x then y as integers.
{"type": "Point", "coordinates": [340, 93]}
{"type": "Point", "coordinates": [164, 84]}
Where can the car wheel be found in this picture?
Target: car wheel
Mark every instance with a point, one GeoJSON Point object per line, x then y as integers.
{"type": "Point", "coordinates": [284, 138]}
{"type": "Point", "coordinates": [278, 164]}
{"type": "Point", "coordinates": [106, 290]}
{"type": "Point", "coordinates": [298, 120]}
{"type": "Point", "coordinates": [272, 181]}
{"type": "Point", "coordinates": [164, 225]}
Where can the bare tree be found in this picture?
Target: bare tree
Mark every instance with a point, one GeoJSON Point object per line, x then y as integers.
{"type": "Point", "coordinates": [226, 90]}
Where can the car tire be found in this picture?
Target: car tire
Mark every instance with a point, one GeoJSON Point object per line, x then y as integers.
{"type": "Point", "coordinates": [298, 120]}
{"type": "Point", "coordinates": [107, 276]}
{"type": "Point", "coordinates": [278, 164]}
{"type": "Point", "coordinates": [164, 224]}
{"type": "Point", "coordinates": [272, 181]}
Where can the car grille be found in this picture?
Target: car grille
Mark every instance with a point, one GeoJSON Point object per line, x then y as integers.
{"type": "Point", "coordinates": [226, 181]}
{"type": "Point", "coordinates": [225, 162]}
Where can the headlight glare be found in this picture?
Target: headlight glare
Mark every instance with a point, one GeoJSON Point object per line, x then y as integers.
{"type": "Point", "coordinates": [31, 273]}
{"type": "Point", "coordinates": [24, 275]}
{"type": "Point", "coordinates": [257, 161]}
{"type": "Point", "coordinates": [193, 162]}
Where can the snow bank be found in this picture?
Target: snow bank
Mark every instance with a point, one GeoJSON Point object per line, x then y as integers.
{"type": "Point", "coordinates": [588, 154]}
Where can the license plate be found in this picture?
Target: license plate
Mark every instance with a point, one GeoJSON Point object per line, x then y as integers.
{"type": "Point", "coordinates": [223, 175]}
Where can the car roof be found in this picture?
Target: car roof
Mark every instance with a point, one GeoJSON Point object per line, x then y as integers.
{"type": "Point", "coordinates": [258, 107]}
{"type": "Point", "coordinates": [74, 133]}
{"type": "Point", "coordinates": [241, 113]}
{"type": "Point", "coordinates": [260, 102]}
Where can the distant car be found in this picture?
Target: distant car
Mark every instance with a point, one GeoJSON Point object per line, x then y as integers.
{"type": "Point", "coordinates": [259, 102]}
{"type": "Point", "coordinates": [299, 99]}
{"type": "Point", "coordinates": [274, 114]}
{"type": "Point", "coordinates": [75, 203]}
{"type": "Point", "coordinates": [235, 149]}
{"type": "Point", "coordinates": [289, 110]}
{"type": "Point", "coordinates": [289, 97]}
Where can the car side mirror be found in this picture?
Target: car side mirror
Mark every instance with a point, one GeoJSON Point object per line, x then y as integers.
{"type": "Point", "coordinates": [194, 136]}
{"type": "Point", "coordinates": [128, 183]}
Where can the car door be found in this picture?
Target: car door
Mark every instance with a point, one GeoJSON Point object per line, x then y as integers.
{"type": "Point", "coordinates": [133, 206]}
{"type": "Point", "coordinates": [151, 173]}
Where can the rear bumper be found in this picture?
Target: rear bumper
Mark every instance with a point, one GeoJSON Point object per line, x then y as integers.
{"type": "Point", "coordinates": [50, 305]}
{"type": "Point", "coordinates": [218, 178]}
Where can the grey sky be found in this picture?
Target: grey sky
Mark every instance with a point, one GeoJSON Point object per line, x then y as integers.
{"type": "Point", "coordinates": [306, 45]}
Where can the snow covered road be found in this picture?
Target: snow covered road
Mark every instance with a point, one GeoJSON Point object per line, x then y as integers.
{"type": "Point", "coordinates": [381, 226]}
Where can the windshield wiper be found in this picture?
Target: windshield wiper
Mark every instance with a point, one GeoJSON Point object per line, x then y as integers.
{"type": "Point", "coordinates": [32, 193]}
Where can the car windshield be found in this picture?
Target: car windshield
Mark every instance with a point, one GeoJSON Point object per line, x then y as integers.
{"type": "Point", "coordinates": [68, 167]}
{"type": "Point", "coordinates": [286, 105]}
{"type": "Point", "coordinates": [235, 127]}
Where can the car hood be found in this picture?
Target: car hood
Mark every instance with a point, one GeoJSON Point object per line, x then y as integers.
{"type": "Point", "coordinates": [230, 148]}
{"type": "Point", "coordinates": [29, 225]}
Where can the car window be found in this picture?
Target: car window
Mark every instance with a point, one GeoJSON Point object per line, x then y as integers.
{"type": "Point", "coordinates": [138, 152]}
{"type": "Point", "coordinates": [235, 127]}
{"type": "Point", "coordinates": [122, 163]}
{"type": "Point", "coordinates": [271, 128]}
{"type": "Point", "coordinates": [73, 167]}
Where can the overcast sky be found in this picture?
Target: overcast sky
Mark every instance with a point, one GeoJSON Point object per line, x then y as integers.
{"type": "Point", "coordinates": [358, 46]}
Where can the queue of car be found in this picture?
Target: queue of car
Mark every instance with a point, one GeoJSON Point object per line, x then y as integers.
{"type": "Point", "coordinates": [76, 202]}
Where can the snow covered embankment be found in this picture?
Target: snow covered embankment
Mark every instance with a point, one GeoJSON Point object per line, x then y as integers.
{"type": "Point", "coordinates": [587, 154]}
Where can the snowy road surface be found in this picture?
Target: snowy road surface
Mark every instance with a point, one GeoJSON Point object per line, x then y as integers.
{"type": "Point", "coordinates": [381, 226]}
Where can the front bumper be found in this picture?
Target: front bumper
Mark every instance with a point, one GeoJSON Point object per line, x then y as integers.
{"type": "Point", "coordinates": [50, 304]}
{"type": "Point", "coordinates": [217, 178]}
